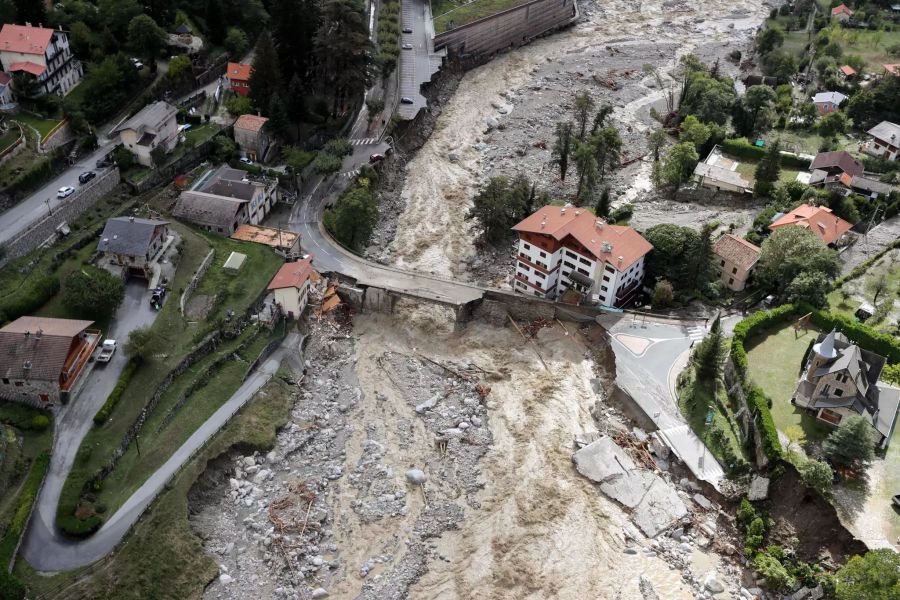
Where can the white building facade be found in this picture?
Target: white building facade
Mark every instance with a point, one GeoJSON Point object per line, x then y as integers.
{"type": "Point", "coordinates": [567, 247]}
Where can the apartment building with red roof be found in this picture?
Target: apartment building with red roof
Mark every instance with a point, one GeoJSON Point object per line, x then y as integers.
{"type": "Point", "coordinates": [291, 286]}
{"type": "Point", "coordinates": [41, 53]}
{"type": "Point", "coordinates": [563, 247]}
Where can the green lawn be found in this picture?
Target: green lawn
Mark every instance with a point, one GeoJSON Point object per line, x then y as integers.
{"type": "Point", "coordinates": [200, 133]}
{"type": "Point", "coordinates": [7, 139]}
{"type": "Point", "coordinates": [44, 126]}
{"type": "Point", "coordinates": [181, 336]}
{"type": "Point", "coordinates": [177, 567]}
{"type": "Point", "coordinates": [775, 360]}
{"type": "Point", "coordinates": [866, 43]}
{"type": "Point", "coordinates": [449, 14]}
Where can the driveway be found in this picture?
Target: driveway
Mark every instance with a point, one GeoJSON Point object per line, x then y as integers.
{"type": "Point", "coordinates": [46, 550]}
{"type": "Point", "coordinates": [43, 542]}
{"type": "Point", "coordinates": [18, 218]}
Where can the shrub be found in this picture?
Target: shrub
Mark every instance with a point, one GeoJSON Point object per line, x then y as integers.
{"type": "Point", "coordinates": [870, 339]}
{"type": "Point", "coordinates": [74, 527]}
{"type": "Point", "coordinates": [40, 422]}
{"type": "Point", "coordinates": [338, 147]}
{"type": "Point", "coordinates": [116, 394]}
{"type": "Point", "coordinates": [776, 575]}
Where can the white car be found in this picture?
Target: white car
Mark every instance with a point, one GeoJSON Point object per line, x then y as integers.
{"type": "Point", "coordinates": [407, 46]}
{"type": "Point", "coordinates": [106, 351]}
{"type": "Point", "coordinates": [246, 160]}
{"type": "Point", "coordinates": [65, 192]}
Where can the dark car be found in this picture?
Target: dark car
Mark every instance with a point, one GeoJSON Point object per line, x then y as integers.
{"type": "Point", "coordinates": [407, 30]}
{"type": "Point", "coordinates": [405, 100]}
{"type": "Point", "coordinates": [156, 299]}
{"type": "Point", "coordinates": [376, 158]}
{"type": "Point", "coordinates": [102, 163]}
{"type": "Point", "coordinates": [86, 176]}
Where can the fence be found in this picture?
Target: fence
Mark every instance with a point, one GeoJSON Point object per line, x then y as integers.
{"type": "Point", "coordinates": [45, 230]}
{"type": "Point", "coordinates": [201, 271]}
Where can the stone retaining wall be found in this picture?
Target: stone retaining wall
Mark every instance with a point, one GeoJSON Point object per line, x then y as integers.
{"type": "Point", "coordinates": [44, 230]}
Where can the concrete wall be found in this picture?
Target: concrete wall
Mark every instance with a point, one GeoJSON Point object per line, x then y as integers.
{"type": "Point", "coordinates": [478, 41]}
{"type": "Point", "coordinates": [45, 229]}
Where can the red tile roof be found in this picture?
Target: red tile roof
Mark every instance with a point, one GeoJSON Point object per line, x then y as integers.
{"type": "Point", "coordinates": [25, 39]}
{"type": "Point", "coordinates": [591, 232]}
{"type": "Point", "coordinates": [893, 69]}
{"type": "Point", "coordinates": [737, 250]}
{"type": "Point", "coordinates": [29, 67]}
{"type": "Point", "coordinates": [292, 274]}
{"type": "Point", "coordinates": [841, 9]}
{"type": "Point", "coordinates": [848, 70]}
{"type": "Point", "coordinates": [250, 122]}
{"type": "Point", "coordinates": [238, 71]}
{"type": "Point", "coordinates": [817, 219]}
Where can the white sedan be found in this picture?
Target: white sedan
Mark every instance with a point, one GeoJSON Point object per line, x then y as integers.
{"type": "Point", "coordinates": [65, 192]}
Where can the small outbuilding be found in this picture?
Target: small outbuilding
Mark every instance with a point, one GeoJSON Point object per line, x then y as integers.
{"type": "Point", "coordinates": [235, 262]}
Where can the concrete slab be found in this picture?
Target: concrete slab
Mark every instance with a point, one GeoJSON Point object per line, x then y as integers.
{"type": "Point", "coordinates": [759, 489]}
{"type": "Point", "coordinates": [660, 509]}
{"type": "Point", "coordinates": [629, 489]}
{"type": "Point", "coordinates": [602, 460]}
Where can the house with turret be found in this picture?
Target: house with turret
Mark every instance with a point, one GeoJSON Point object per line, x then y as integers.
{"type": "Point", "coordinates": [841, 379]}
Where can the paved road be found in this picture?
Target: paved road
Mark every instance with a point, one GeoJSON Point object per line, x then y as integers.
{"type": "Point", "coordinates": [47, 550]}
{"type": "Point", "coordinates": [73, 422]}
{"type": "Point", "coordinates": [420, 63]}
{"type": "Point", "coordinates": [649, 357]}
{"type": "Point", "coordinates": [34, 207]}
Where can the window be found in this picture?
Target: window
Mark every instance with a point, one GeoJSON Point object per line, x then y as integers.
{"type": "Point", "coordinates": [722, 264]}
{"type": "Point", "coordinates": [524, 267]}
{"type": "Point", "coordinates": [730, 280]}
{"type": "Point", "coordinates": [604, 288]}
{"type": "Point", "coordinates": [826, 389]}
{"type": "Point", "coordinates": [610, 268]}
{"type": "Point", "coordinates": [842, 378]}
{"type": "Point", "coordinates": [526, 246]}
{"type": "Point", "coordinates": [584, 261]}
{"type": "Point", "coordinates": [568, 264]}
{"type": "Point", "coordinates": [606, 278]}
{"type": "Point", "coordinates": [45, 397]}
{"type": "Point", "coordinates": [583, 271]}
{"type": "Point", "coordinates": [734, 271]}
{"type": "Point", "coordinates": [543, 254]}
{"type": "Point", "coordinates": [18, 384]}
{"type": "Point", "coordinates": [570, 254]}
{"type": "Point", "coordinates": [838, 392]}
{"type": "Point", "coordinates": [539, 275]}
{"type": "Point", "coordinates": [6, 381]}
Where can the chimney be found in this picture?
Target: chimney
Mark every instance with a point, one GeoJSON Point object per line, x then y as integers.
{"type": "Point", "coordinates": [27, 367]}
{"type": "Point", "coordinates": [27, 335]}
{"type": "Point", "coordinates": [599, 223]}
{"type": "Point", "coordinates": [39, 333]}
{"type": "Point", "coordinates": [562, 211]}
{"type": "Point", "coordinates": [621, 258]}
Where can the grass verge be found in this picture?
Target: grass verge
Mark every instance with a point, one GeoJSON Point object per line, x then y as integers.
{"type": "Point", "coordinates": [449, 14]}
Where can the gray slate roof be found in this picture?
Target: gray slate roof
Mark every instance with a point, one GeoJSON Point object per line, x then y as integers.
{"type": "Point", "coordinates": [870, 185]}
{"type": "Point", "coordinates": [884, 131]}
{"type": "Point", "coordinates": [717, 173]}
{"type": "Point", "coordinates": [151, 116]}
{"type": "Point", "coordinates": [128, 236]}
{"type": "Point", "coordinates": [207, 209]}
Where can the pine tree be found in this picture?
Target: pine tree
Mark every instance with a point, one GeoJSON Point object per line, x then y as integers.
{"type": "Point", "coordinates": [602, 208]}
{"type": "Point", "coordinates": [703, 258]}
{"type": "Point", "coordinates": [851, 444]}
{"type": "Point", "coordinates": [279, 122]}
{"type": "Point", "coordinates": [767, 171]}
{"type": "Point", "coordinates": [708, 355]}
{"type": "Point", "coordinates": [344, 52]}
{"type": "Point", "coordinates": [265, 78]}
{"type": "Point", "coordinates": [562, 148]}
{"type": "Point", "coordinates": [294, 27]}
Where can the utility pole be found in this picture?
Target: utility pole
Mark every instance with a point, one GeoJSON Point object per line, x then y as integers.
{"type": "Point", "coordinates": [871, 221]}
{"type": "Point", "coordinates": [49, 208]}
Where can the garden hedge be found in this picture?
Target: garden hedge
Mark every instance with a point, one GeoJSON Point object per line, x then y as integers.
{"type": "Point", "coordinates": [116, 394]}
{"type": "Point", "coordinates": [23, 509]}
{"type": "Point", "coordinates": [870, 339]}
{"type": "Point", "coordinates": [751, 325]}
{"type": "Point", "coordinates": [742, 148]}
{"type": "Point", "coordinates": [768, 432]}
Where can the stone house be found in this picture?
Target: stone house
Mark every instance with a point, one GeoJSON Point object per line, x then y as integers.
{"type": "Point", "coordinates": [224, 199]}
{"type": "Point", "coordinates": [251, 136]}
{"type": "Point", "coordinates": [133, 244]}
{"type": "Point", "coordinates": [153, 126]}
{"type": "Point", "coordinates": [842, 379]}
{"type": "Point", "coordinates": [736, 257]}
{"type": "Point", "coordinates": [42, 359]}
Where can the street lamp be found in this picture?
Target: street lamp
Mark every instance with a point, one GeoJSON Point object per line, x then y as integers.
{"type": "Point", "coordinates": [49, 208]}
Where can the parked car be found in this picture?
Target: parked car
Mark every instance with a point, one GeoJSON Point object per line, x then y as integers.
{"type": "Point", "coordinates": [102, 163]}
{"type": "Point", "coordinates": [376, 158]}
{"type": "Point", "coordinates": [246, 160]}
{"type": "Point", "coordinates": [106, 351]}
{"type": "Point", "coordinates": [405, 100]}
{"type": "Point", "coordinates": [157, 297]}
{"type": "Point", "coordinates": [86, 176]}
{"type": "Point", "coordinates": [137, 64]}
{"type": "Point", "coordinates": [407, 30]}
{"type": "Point", "coordinates": [407, 46]}
{"type": "Point", "coordinates": [65, 192]}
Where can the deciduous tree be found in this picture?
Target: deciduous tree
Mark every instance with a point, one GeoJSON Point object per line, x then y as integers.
{"type": "Point", "coordinates": [768, 171]}
{"type": "Point", "coordinates": [562, 147]}
{"type": "Point", "coordinates": [874, 576]}
{"type": "Point", "coordinates": [501, 204]}
{"type": "Point", "coordinates": [146, 38]}
{"type": "Point", "coordinates": [584, 105]}
{"type": "Point", "coordinates": [353, 217]}
{"type": "Point", "coordinates": [680, 163]}
{"type": "Point", "coordinates": [92, 292]}
{"type": "Point", "coordinates": [143, 343]}
{"type": "Point", "coordinates": [790, 251]}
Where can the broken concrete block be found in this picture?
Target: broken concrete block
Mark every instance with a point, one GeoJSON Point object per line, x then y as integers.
{"type": "Point", "coordinates": [602, 459]}
{"type": "Point", "coordinates": [628, 489]}
{"type": "Point", "coordinates": [660, 508]}
{"type": "Point", "coordinates": [639, 435]}
{"type": "Point", "coordinates": [659, 447]}
{"type": "Point", "coordinates": [759, 489]}
{"type": "Point", "coordinates": [703, 501]}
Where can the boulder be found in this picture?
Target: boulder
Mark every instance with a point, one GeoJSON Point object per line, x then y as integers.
{"type": "Point", "coordinates": [319, 593]}
{"type": "Point", "coordinates": [416, 476]}
{"type": "Point", "coordinates": [712, 584]}
{"type": "Point", "coordinates": [630, 488]}
{"type": "Point", "coordinates": [225, 578]}
{"type": "Point", "coordinates": [759, 489]}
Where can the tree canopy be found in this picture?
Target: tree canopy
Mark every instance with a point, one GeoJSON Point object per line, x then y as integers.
{"type": "Point", "coordinates": [92, 292]}
{"type": "Point", "coordinates": [674, 254]}
{"type": "Point", "coordinates": [500, 204]}
{"type": "Point", "coordinates": [874, 576]}
{"type": "Point", "coordinates": [851, 444]}
{"type": "Point", "coordinates": [791, 251]}
{"type": "Point", "coordinates": [354, 216]}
